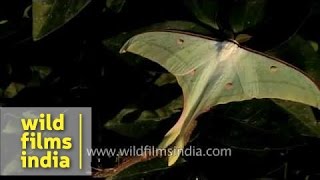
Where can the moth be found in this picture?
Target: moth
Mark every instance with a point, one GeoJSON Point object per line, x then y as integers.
{"type": "Point", "coordinates": [212, 72]}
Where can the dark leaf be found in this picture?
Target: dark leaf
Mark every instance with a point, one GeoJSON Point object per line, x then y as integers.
{"type": "Point", "coordinates": [49, 15]}
{"type": "Point", "coordinates": [246, 14]}
{"type": "Point", "coordinates": [205, 11]}
{"type": "Point", "coordinates": [115, 5]}
{"type": "Point", "coordinates": [136, 122]}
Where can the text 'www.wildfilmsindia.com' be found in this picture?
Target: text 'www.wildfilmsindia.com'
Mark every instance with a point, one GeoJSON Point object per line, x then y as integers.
{"type": "Point", "coordinates": [154, 151]}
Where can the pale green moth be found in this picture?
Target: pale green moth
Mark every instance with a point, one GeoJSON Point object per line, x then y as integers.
{"type": "Point", "coordinates": [212, 72]}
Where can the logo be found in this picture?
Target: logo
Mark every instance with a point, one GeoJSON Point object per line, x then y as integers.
{"type": "Point", "coordinates": [45, 141]}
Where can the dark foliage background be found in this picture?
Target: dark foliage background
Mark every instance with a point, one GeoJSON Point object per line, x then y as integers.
{"type": "Point", "coordinates": [86, 72]}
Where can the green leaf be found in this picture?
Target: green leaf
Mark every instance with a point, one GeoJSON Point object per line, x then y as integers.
{"type": "Point", "coordinates": [115, 5]}
{"type": "Point", "coordinates": [314, 45]}
{"type": "Point", "coordinates": [27, 11]}
{"type": "Point", "coordinates": [213, 72]}
{"type": "Point", "coordinates": [13, 89]}
{"type": "Point", "coordinates": [304, 119]}
{"type": "Point", "coordinates": [246, 14]}
{"type": "Point", "coordinates": [240, 15]}
{"type": "Point", "coordinates": [242, 38]}
{"type": "Point", "coordinates": [4, 21]}
{"type": "Point", "coordinates": [142, 122]}
{"type": "Point", "coordinates": [41, 71]}
{"type": "Point", "coordinates": [242, 125]}
{"type": "Point", "coordinates": [205, 11]}
{"type": "Point", "coordinates": [49, 15]}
